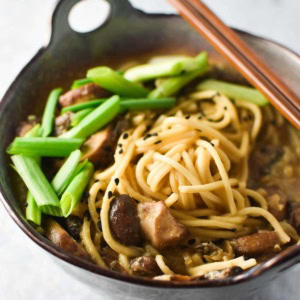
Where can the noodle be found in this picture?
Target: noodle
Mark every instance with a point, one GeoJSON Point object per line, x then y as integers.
{"type": "Point", "coordinates": [198, 166]}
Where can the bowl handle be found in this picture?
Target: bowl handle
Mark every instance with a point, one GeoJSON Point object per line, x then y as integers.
{"type": "Point", "coordinates": [59, 21]}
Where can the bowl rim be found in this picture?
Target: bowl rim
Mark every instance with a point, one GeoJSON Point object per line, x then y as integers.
{"type": "Point", "coordinates": [287, 255]}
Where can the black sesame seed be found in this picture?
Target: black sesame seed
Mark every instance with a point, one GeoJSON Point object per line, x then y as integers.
{"type": "Point", "coordinates": [120, 145]}
{"type": "Point", "coordinates": [199, 130]}
{"type": "Point", "coordinates": [109, 194]}
{"type": "Point", "coordinates": [210, 120]}
{"type": "Point", "coordinates": [225, 107]}
{"type": "Point", "coordinates": [147, 136]}
{"type": "Point", "coordinates": [212, 144]}
{"type": "Point", "coordinates": [233, 229]}
{"type": "Point", "coordinates": [218, 94]}
{"type": "Point", "coordinates": [187, 117]}
{"type": "Point", "coordinates": [125, 135]}
{"type": "Point", "coordinates": [101, 191]}
{"type": "Point", "coordinates": [98, 209]}
{"type": "Point", "coordinates": [200, 117]}
{"type": "Point", "coordinates": [191, 242]}
{"type": "Point", "coordinates": [117, 180]}
{"type": "Point", "coordinates": [155, 134]}
{"type": "Point", "coordinates": [99, 225]}
{"type": "Point", "coordinates": [157, 142]}
{"type": "Point", "coordinates": [26, 204]}
{"type": "Point", "coordinates": [121, 151]}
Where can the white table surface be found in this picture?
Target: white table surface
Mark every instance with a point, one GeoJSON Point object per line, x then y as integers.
{"type": "Point", "coordinates": [26, 272]}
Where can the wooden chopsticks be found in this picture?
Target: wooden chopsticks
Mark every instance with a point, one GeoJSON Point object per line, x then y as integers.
{"type": "Point", "coordinates": [229, 44]}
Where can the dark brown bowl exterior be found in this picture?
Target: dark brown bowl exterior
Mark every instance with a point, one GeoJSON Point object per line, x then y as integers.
{"type": "Point", "coordinates": [128, 34]}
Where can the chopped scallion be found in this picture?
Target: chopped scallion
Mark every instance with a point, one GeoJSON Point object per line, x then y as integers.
{"type": "Point", "coordinates": [95, 120]}
{"type": "Point", "coordinates": [35, 180]}
{"type": "Point", "coordinates": [234, 91]}
{"type": "Point", "coordinates": [65, 174]}
{"type": "Point", "coordinates": [79, 116]}
{"type": "Point", "coordinates": [112, 81]}
{"type": "Point", "coordinates": [49, 112]}
{"type": "Point", "coordinates": [47, 146]}
{"type": "Point", "coordinates": [74, 191]}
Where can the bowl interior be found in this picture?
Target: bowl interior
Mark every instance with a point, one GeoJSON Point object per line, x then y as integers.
{"type": "Point", "coordinates": [69, 55]}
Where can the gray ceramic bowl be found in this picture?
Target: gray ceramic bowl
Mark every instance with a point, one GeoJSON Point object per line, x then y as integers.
{"type": "Point", "coordinates": [127, 34]}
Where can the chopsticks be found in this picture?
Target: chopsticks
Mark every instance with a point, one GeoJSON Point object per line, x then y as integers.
{"type": "Point", "coordinates": [230, 45]}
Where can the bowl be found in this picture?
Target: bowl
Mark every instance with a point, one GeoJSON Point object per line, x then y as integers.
{"type": "Point", "coordinates": [128, 34]}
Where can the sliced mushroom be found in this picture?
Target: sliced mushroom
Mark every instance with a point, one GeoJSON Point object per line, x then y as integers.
{"type": "Point", "coordinates": [82, 94]}
{"type": "Point", "coordinates": [255, 244]}
{"type": "Point", "coordinates": [124, 222]}
{"type": "Point", "coordinates": [277, 202]}
{"type": "Point", "coordinates": [294, 215]}
{"type": "Point", "coordinates": [63, 123]}
{"type": "Point", "coordinates": [111, 259]}
{"type": "Point", "coordinates": [73, 225]}
{"type": "Point", "coordinates": [58, 236]}
{"type": "Point", "coordinates": [262, 160]}
{"type": "Point", "coordinates": [145, 266]}
{"type": "Point", "coordinates": [159, 226]}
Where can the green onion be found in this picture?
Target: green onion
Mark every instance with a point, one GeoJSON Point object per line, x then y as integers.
{"type": "Point", "coordinates": [147, 103]}
{"type": "Point", "coordinates": [33, 212]}
{"type": "Point", "coordinates": [51, 210]}
{"type": "Point", "coordinates": [168, 68]}
{"type": "Point", "coordinates": [81, 166]}
{"type": "Point", "coordinates": [172, 85]}
{"type": "Point", "coordinates": [126, 103]}
{"type": "Point", "coordinates": [151, 71]}
{"type": "Point", "coordinates": [83, 105]}
{"type": "Point", "coordinates": [47, 146]}
{"type": "Point", "coordinates": [234, 91]}
{"type": "Point", "coordinates": [95, 120]}
{"type": "Point", "coordinates": [49, 112]}
{"type": "Point", "coordinates": [66, 172]}
{"type": "Point", "coordinates": [34, 131]}
{"type": "Point", "coordinates": [74, 191]}
{"type": "Point", "coordinates": [80, 82]}
{"type": "Point", "coordinates": [35, 180]}
{"type": "Point", "coordinates": [112, 81]}
{"type": "Point", "coordinates": [80, 115]}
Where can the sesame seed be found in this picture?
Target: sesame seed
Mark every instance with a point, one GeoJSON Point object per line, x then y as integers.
{"type": "Point", "coordinates": [117, 180]}
{"type": "Point", "coordinates": [155, 134]}
{"type": "Point", "coordinates": [233, 229]}
{"type": "Point", "coordinates": [109, 194]}
{"type": "Point", "coordinates": [121, 151]}
{"type": "Point", "coordinates": [147, 136]}
{"type": "Point", "coordinates": [187, 117]}
{"type": "Point", "coordinates": [120, 145]}
{"type": "Point", "coordinates": [225, 107]}
{"type": "Point", "coordinates": [26, 204]}
{"type": "Point", "coordinates": [212, 144]}
{"type": "Point", "coordinates": [157, 142]}
{"type": "Point", "coordinates": [200, 117]}
{"type": "Point", "coordinates": [199, 130]}
{"type": "Point", "coordinates": [125, 135]}
{"type": "Point", "coordinates": [191, 241]}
